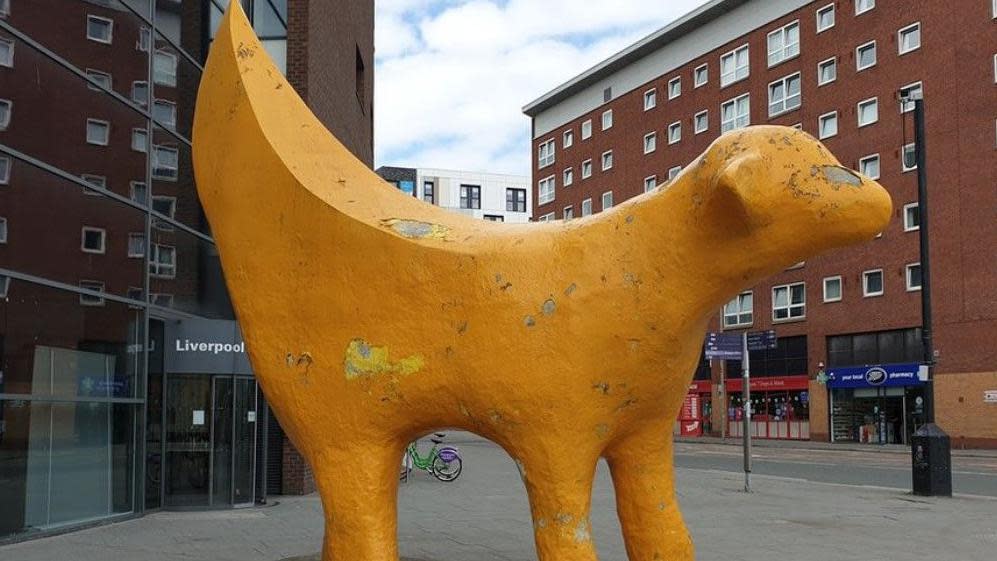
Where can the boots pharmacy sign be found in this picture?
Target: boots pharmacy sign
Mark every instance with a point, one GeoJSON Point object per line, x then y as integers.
{"type": "Point", "coordinates": [876, 376]}
{"type": "Point", "coordinates": [205, 346]}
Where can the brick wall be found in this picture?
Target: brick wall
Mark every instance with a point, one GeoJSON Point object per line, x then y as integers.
{"type": "Point", "coordinates": [298, 478]}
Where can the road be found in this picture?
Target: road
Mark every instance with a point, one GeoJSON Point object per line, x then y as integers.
{"type": "Point", "coordinates": [970, 475]}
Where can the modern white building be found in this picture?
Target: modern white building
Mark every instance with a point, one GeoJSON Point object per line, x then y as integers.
{"type": "Point", "coordinates": [489, 196]}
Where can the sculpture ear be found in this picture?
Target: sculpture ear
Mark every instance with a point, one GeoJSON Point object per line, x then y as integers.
{"type": "Point", "coordinates": [735, 195]}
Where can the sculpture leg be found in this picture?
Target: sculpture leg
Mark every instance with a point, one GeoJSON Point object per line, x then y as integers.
{"type": "Point", "coordinates": [559, 484]}
{"type": "Point", "coordinates": [643, 476]}
{"type": "Point", "coordinates": [359, 488]}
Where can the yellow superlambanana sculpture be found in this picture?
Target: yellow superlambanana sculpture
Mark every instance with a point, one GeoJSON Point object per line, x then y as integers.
{"type": "Point", "coordinates": [373, 318]}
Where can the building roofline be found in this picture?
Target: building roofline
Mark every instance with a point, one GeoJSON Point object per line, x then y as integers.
{"type": "Point", "coordinates": [683, 25]}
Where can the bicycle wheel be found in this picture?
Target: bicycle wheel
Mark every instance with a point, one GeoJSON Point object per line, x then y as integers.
{"type": "Point", "coordinates": [444, 470]}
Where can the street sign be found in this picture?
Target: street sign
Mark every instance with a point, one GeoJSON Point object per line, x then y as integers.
{"type": "Point", "coordinates": [723, 345]}
{"type": "Point", "coordinates": [761, 340]}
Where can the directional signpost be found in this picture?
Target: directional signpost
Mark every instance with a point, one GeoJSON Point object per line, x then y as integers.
{"type": "Point", "coordinates": [736, 346]}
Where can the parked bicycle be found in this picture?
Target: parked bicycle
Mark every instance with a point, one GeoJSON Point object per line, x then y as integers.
{"type": "Point", "coordinates": [443, 463]}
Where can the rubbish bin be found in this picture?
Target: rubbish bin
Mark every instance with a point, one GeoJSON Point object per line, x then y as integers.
{"type": "Point", "coordinates": [932, 462]}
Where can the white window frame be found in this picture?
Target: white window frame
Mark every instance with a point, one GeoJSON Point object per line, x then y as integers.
{"type": "Point", "coordinates": [903, 159]}
{"type": "Point", "coordinates": [834, 17]}
{"type": "Point", "coordinates": [786, 97]}
{"type": "Point", "coordinates": [733, 76]}
{"type": "Point", "coordinates": [4, 8]}
{"type": "Point", "coordinates": [110, 29]}
{"type": "Point", "coordinates": [99, 181]}
{"type": "Point", "coordinates": [9, 61]}
{"type": "Point", "coordinates": [144, 39]}
{"type": "Point", "coordinates": [650, 99]}
{"type": "Point", "coordinates": [739, 312]}
{"type": "Point", "coordinates": [866, 293]}
{"type": "Point", "coordinates": [587, 165]}
{"type": "Point", "coordinates": [650, 142]}
{"type": "Point", "coordinates": [95, 286]}
{"type": "Point", "coordinates": [780, 54]}
{"type": "Point", "coordinates": [144, 147]}
{"type": "Point", "coordinates": [701, 70]}
{"type": "Point", "coordinates": [858, 56]}
{"type": "Point", "coordinates": [907, 277]}
{"type": "Point", "coordinates": [93, 78]}
{"type": "Point", "coordinates": [10, 113]}
{"type": "Point", "coordinates": [607, 119]}
{"type": "Point", "coordinates": [610, 195]}
{"type": "Point", "coordinates": [879, 165]}
{"type": "Point", "coordinates": [673, 172]}
{"type": "Point", "coordinates": [607, 158]}
{"type": "Point", "coordinates": [820, 75]}
{"type": "Point", "coordinates": [696, 129]}
{"type": "Point", "coordinates": [546, 190]}
{"type": "Point", "coordinates": [103, 240]}
{"type": "Point", "coordinates": [568, 212]}
{"type": "Point", "coordinates": [675, 132]}
{"type": "Point", "coordinates": [587, 126]}
{"type": "Point", "coordinates": [171, 106]}
{"type": "Point", "coordinates": [858, 111]}
{"type": "Point", "coordinates": [841, 289]}
{"type": "Point", "coordinates": [3, 229]}
{"type": "Point", "coordinates": [675, 87]}
{"type": "Point", "coordinates": [156, 267]}
{"type": "Point", "coordinates": [165, 79]}
{"type": "Point", "coordinates": [789, 307]}
{"type": "Point", "coordinates": [567, 177]}
{"type": "Point", "coordinates": [869, 5]}
{"type": "Point", "coordinates": [900, 38]}
{"type": "Point", "coordinates": [909, 226]}
{"type": "Point", "coordinates": [567, 139]}
{"type": "Point", "coordinates": [820, 125]}
{"type": "Point", "coordinates": [909, 106]}
{"type": "Point", "coordinates": [132, 185]}
{"type": "Point", "coordinates": [156, 165]}
{"type": "Point", "coordinates": [8, 163]}
{"type": "Point", "coordinates": [734, 101]}
{"type": "Point", "coordinates": [549, 217]}
{"type": "Point", "coordinates": [107, 127]}
{"type": "Point", "coordinates": [134, 236]}
{"type": "Point", "coordinates": [545, 153]}
{"type": "Point", "coordinates": [144, 99]}
{"type": "Point", "coordinates": [650, 182]}
{"type": "Point", "coordinates": [588, 203]}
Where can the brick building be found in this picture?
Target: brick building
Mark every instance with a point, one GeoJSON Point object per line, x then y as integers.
{"type": "Point", "coordinates": [834, 69]}
{"type": "Point", "coordinates": [109, 277]}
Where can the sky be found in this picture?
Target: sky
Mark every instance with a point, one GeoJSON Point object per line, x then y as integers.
{"type": "Point", "coordinates": [452, 76]}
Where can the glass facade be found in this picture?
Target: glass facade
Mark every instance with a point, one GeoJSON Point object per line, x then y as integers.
{"type": "Point", "coordinates": [105, 243]}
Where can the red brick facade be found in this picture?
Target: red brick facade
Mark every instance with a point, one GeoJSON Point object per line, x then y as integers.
{"type": "Point", "coordinates": [955, 63]}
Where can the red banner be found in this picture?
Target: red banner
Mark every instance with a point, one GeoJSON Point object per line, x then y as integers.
{"type": "Point", "coordinates": [774, 384]}
{"type": "Point", "coordinates": [701, 386]}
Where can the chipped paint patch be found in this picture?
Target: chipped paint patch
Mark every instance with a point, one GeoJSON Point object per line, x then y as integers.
{"type": "Point", "coordinates": [415, 229]}
{"type": "Point", "coordinates": [601, 430]}
{"type": "Point", "coordinates": [839, 175]}
{"type": "Point", "coordinates": [571, 289]}
{"type": "Point", "coordinates": [542, 523]}
{"type": "Point", "coordinates": [563, 518]}
{"type": "Point", "coordinates": [549, 307]}
{"type": "Point", "coordinates": [582, 533]}
{"type": "Point", "coordinates": [529, 321]}
{"type": "Point", "coordinates": [602, 386]}
{"type": "Point", "coordinates": [363, 359]}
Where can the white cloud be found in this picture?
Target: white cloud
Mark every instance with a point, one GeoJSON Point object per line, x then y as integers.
{"type": "Point", "coordinates": [452, 76]}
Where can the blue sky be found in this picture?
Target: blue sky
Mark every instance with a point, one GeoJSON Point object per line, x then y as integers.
{"type": "Point", "coordinates": [452, 75]}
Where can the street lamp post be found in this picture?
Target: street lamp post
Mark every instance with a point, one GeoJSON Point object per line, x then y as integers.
{"type": "Point", "coordinates": [931, 455]}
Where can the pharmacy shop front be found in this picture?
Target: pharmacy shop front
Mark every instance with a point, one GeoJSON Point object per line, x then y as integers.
{"type": "Point", "coordinates": [878, 404]}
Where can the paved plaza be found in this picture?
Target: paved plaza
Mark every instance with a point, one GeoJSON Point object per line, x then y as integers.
{"type": "Point", "coordinates": [484, 516]}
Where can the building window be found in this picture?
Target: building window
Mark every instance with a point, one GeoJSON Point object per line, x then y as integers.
{"type": "Point", "coordinates": [470, 195]}
{"type": "Point", "coordinates": [3, 230]}
{"type": "Point", "coordinates": [545, 154]}
{"type": "Point", "coordinates": [165, 206]}
{"type": "Point", "coordinates": [6, 109]}
{"type": "Point", "coordinates": [98, 81]}
{"type": "Point", "coordinates": [89, 299]}
{"type": "Point", "coordinates": [607, 119]}
{"type": "Point", "coordinates": [587, 129]}
{"type": "Point", "coordinates": [865, 56]}
{"type": "Point", "coordinates": [913, 274]}
{"type": "Point", "coordinates": [909, 159]}
{"type": "Point", "coordinates": [650, 142]}
{"type": "Point", "coordinates": [567, 139]}
{"type": "Point", "coordinates": [650, 99]}
{"type": "Point", "coordinates": [4, 285]}
{"type": "Point", "coordinates": [586, 169]}
{"type": "Point", "coordinates": [832, 289]}
{"type": "Point", "coordinates": [735, 114]}
{"type": "Point", "coordinates": [827, 71]}
{"type": "Point", "coordinates": [784, 43]}
{"type": "Point", "coordinates": [4, 8]}
{"type": "Point", "coordinates": [515, 200]}
{"type": "Point", "coordinates": [789, 301]}
{"type": "Point", "coordinates": [163, 261]}
{"type": "Point", "coordinates": [863, 6]}
{"type": "Point", "coordinates": [4, 170]}
{"type": "Point", "coordinates": [96, 181]}
{"type": "Point", "coordinates": [587, 207]}
{"type": "Point", "coordinates": [674, 132]}
{"type": "Point", "coordinates": [568, 177]}
{"type": "Point", "coordinates": [165, 112]}
{"type": "Point", "coordinates": [673, 172]}
{"type": "Point", "coordinates": [98, 132]}
{"type": "Point", "coordinates": [165, 162]}
{"type": "Point", "coordinates": [6, 53]}
{"type": "Point", "coordinates": [607, 200]}
{"type": "Point", "coordinates": [568, 213]}
{"type": "Point", "coordinates": [734, 66]}
{"type": "Point", "coordinates": [827, 125]}
{"type": "Point", "coordinates": [739, 312]}
{"type": "Point", "coordinates": [99, 29]}
{"type": "Point", "coordinates": [429, 192]}
{"type": "Point", "coordinates": [912, 217]}
{"type": "Point", "coordinates": [93, 240]}
{"type": "Point", "coordinates": [140, 92]}
{"type": "Point", "coordinates": [869, 166]}
{"type": "Point", "coordinates": [607, 160]}
{"type": "Point", "coordinates": [909, 38]}
{"type": "Point", "coordinates": [137, 192]}
{"type": "Point", "coordinates": [785, 95]}
{"type": "Point", "coordinates": [136, 245]}
{"type": "Point", "coordinates": [675, 87]}
{"type": "Point", "coordinates": [825, 18]}
{"type": "Point", "coordinates": [701, 75]}
{"type": "Point", "coordinates": [546, 217]}
{"type": "Point", "coordinates": [910, 91]}
{"type": "Point", "coordinates": [494, 217]}
{"type": "Point", "coordinates": [164, 68]}
{"type": "Point", "coordinates": [144, 39]}
{"type": "Point", "coordinates": [650, 182]}
{"type": "Point", "coordinates": [545, 188]}
{"type": "Point", "coordinates": [701, 122]}
{"type": "Point", "coordinates": [884, 347]}
{"type": "Point", "coordinates": [872, 283]}
{"type": "Point", "coordinates": [868, 112]}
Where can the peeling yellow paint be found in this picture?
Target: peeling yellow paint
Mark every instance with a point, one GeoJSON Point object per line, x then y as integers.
{"type": "Point", "coordinates": [416, 229]}
{"type": "Point", "coordinates": [363, 359]}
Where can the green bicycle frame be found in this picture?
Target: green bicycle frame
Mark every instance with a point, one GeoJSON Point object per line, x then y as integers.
{"type": "Point", "coordinates": [422, 462]}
